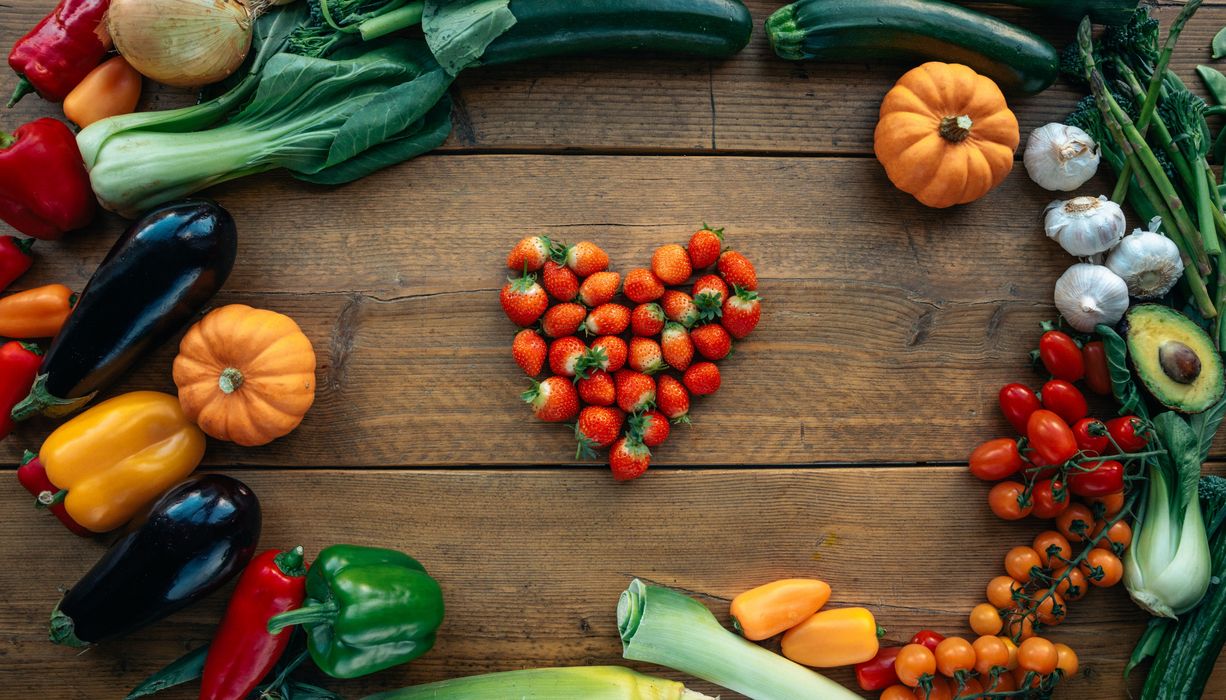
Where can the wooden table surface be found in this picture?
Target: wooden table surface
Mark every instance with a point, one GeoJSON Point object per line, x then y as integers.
{"type": "Point", "coordinates": [835, 448]}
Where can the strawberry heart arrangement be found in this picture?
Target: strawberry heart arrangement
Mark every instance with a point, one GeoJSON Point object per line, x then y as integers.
{"type": "Point", "coordinates": [645, 357]}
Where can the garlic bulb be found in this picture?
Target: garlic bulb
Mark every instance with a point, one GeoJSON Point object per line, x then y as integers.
{"type": "Point", "coordinates": [1060, 157]}
{"type": "Point", "coordinates": [1148, 262]}
{"type": "Point", "coordinates": [1085, 226]}
{"type": "Point", "coordinates": [184, 43]}
{"type": "Point", "coordinates": [1088, 295]}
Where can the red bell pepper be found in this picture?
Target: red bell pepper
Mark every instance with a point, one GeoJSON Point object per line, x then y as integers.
{"type": "Point", "coordinates": [44, 188]}
{"type": "Point", "coordinates": [15, 259]}
{"type": "Point", "coordinates": [61, 50]}
{"type": "Point", "coordinates": [33, 476]}
{"type": "Point", "coordinates": [878, 672]}
{"type": "Point", "coordinates": [19, 364]}
{"type": "Point", "coordinates": [243, 651]}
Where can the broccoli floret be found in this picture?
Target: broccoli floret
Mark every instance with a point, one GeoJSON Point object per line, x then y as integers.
{"type": "Point", "coordinates": [1072, 67]}
{"type": "Point", "coordinates": [1136, 40]}
{"type": "Point", "coordinates": [1213, 501]}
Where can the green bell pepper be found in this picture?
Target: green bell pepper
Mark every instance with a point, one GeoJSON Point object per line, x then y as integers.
{"type": "Point", "coordinates": [366, 609]}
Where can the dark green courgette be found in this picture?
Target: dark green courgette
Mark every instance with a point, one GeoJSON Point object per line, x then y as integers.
{"type": "Point", "coordinates": [543, 28]}
{"type": "Point", "coordinates": [910, 30]}
{"type": "Point", "coordinates": [1100, 11]}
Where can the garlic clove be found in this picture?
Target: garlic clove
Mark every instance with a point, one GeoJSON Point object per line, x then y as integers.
{"type": "Point", "coordinates": [1085, 226]}
{"type": "Point", "coordinates": [1087, 295]}
{"type": "Point", "coordinates": [1148, 262]}
{"type": "Point", "coordinates": [1060, 157]}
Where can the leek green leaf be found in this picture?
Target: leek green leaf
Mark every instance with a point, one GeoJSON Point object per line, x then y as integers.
{"type": "Point", "coordinates": [458, 31]}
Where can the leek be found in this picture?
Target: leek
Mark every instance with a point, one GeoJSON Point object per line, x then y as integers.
{"type": "Point", "coordinates": [664, 627]}
{"type": "Point", "coordinates": [586, 682]}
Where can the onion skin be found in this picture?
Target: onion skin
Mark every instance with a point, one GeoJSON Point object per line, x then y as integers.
{"type": "Point", "coordinates": [182, 43]}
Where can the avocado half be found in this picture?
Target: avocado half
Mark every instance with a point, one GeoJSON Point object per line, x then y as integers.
{"type": "Point", "coordinates": [1174, 358]}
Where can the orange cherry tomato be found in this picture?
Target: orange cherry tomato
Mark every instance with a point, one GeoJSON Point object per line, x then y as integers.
{"type": "Point", "coordinates": [955, 654]}
{"type": "Point", "coordinates": [1000, 591]}
{"type": "Point", "coordinates": [1102, 568]}
{"type": "Point", "coordinates": [1051, 498]}
{"type": "Point", "coordinates": [985, 619]}
{"type": "Point", "coordinates": [1020, 560]}
{"type": "Point", "coordinates": [1119, 537]}
{"type": "Point", "coordinates": [1009, 502]}
{"type": "Point", "coordinates": [1051, 610]}
{"type": "Point", "coordinates": [898, 692]}
{"type": "Point", "coordinates": [1072, 586]}
{"type": "Point", "coordinates": [1020, 675]}
{"type": "Point", "coordinates": [1053, 548]}
{"type": "Point", "coordinates": [1004, 684]}
{"type": "Point", "coordinates": [1037, 654]}
{"type": "Point", "coordinates": [1020, 625]}
{"type": "Point", "coordinates": [939, 690]}
{"type": "Point", "coordinates": [914, 662]}
{"type": "Point", "coordinates": [990, 653]}
{"type": "Point", "coordinates": [971, 688]}
{"type": "Point", "coordinates": [1066, 660]}
{"type": "Point", "coordinates": [1110, 505]}
{"type": "Point", "coordinates": [1012, 653]}
{"type": "Point", "coordinates": [1076, 523]}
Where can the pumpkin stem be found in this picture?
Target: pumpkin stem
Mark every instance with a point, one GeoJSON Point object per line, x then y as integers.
{"type": "Point", "coordinates": [230, 380]}
{"type": "Point", "coordinates": [955, 129]}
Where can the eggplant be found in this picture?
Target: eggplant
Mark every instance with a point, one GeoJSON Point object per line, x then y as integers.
{"type": "Point", "coordinates": [157, 277]}
{"type": "Point", "coordinates": [188, 544]}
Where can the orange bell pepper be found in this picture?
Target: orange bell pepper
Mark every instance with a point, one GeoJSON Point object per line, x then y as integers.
{"type": "Point", "coordinates": [36, 313]}
{"type": "Point", "coordinates": [832, 638]}
{"type": "Point", "coordinates": [770, 609]}
{"type": "Point", "coordinates": [110, 89]}
{"type": "Point", "coordinates": [120, 455]}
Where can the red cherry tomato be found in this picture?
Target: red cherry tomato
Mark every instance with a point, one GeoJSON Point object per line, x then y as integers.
{"type": "Point", "coordinates": [1065, 400]}
{"type": "Point", "coordinates": [1098, 375]}
{"type": "Point", "coordinates": [927, 638]}
{"type": "Point", "coordinates": [1091, 436]}
{"type": "Point", "coordinates": [1017, 402]}
{"type": "Point", "coordinates": [1050, 499]}
{"type": "Point", "coordinates": [1127, 431]}
{"type": "Point", "coordinates": [1061, 356]}
{"type": "Point", "coordinates": [1103, 478]}
{"type": "Point", "coordinates": [996, 459]}
{"type": "Point", "coordinates": [1051, 437]}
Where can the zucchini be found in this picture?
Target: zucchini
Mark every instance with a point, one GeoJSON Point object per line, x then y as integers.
{"type": "Point", "coordinates": [543, 28]}
{"type": "Point", "coordinates": [1100, 11]}
{"type": "Point", "coordinates": [906, 30]}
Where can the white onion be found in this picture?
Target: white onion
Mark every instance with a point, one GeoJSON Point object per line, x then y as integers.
{"type": "Point", "coordinates": [184, 43]}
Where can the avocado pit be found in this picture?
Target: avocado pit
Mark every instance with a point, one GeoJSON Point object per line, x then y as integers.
{"type": "Point", "coordinates": [1179, 362]}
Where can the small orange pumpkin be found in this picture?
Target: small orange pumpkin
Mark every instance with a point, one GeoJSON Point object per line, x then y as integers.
{"type": "Point", "coordinates": [245, 375]}
{"type": "Point", "coordinates": [945, 134]}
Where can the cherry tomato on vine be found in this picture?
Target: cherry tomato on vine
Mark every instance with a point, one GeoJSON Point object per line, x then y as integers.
{"type": "Point", "coordinates": [1019, 561]}
{"type": "Point", "coordinates": [1051, 437]}
{"type": "Point", "coordinates": [1004, 684]}
{"type": "Point", "coordinates": [1000, 591]}
{"type": "Point", "coordinates": [972, 688]}
{"type": "Point", "coordinates": [1050, 499]}
{"type": "Point", "coordinates": [1053, 548]}
{"type": "Point", "coordinates": [985, 619]}
{"type": "Point", "coordinates": [955, 654]}
{"type": "Point", "coordinates": [1111, 504]}
{"type": "Point", "coordinates": [1065, 400]}
{"type": "Point", "coordinates": [1017, 402]}
{"type": "Point", "coordinates": [913, 663]}
{"type": "Point", "coordinates": [996, 459]}
{"type": "Point", "coordinates": [1101, 479]}
{"type": "Point", "coordinates": [1119, 537]}
{"type": "Point", "coordinates": [1066, 660]}
{"type": "Point", "coordinates": [1128, 433]}
{"type": "Point", "coordinates": [1102, 568]}
{"type": "Point", "coordinates": [1038, 655]}
{"type": "Point", "coordinates": [990, 653]}
{"type": "Point", "coordinates": [1076, 523]}
{"type": "Point", "coordinates": [1091, 436]}
{"type": "Point", "coordinates": [898, 692]}
{"type": "Point", "coordinates": [878, 672]}
{"type": "Point", "coordinates": [1098, 374]}
{"type": "Point", "coordinates": [1008, 500]}
{"type": "Point", "coordinates": [1073, 585]}
{"type": "Point", "coordinates": [1020, 676]}
{"type": "Point", "coordinates": [1012, 649]}
{"type": "Point", "coordinates": [1051, 610]}
{"type": "Point", "coordinates": [927, 638]}
{"type": "Point", "coordinates": [1061, 356]}
{"type": "Point", "coordinates": [940, 690]}
{"type": "Point", "coordinates": [1020, 625]}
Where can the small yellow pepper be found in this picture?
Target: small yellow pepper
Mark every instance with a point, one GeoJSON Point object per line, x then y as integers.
{"type": "Point", "coordinates": [111, 89]}
{"type": "Point", "coordinates": [832, 638]}
{"type": "Point", "coordinates": [120, 455]}
{"type": "Point", "coordinates": [770, 609]}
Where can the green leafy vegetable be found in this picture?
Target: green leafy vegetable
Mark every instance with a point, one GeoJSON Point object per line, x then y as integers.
{"type": "Point", "coordinates": [458, 31]}
{"type": "Point", "coordinates": [1122, 386]}
{"type": "Point", "coordinates": [1215, 82]}
{"type": "Point", "coordinates": [1205, 425]}
{"type": "Point", "coordinates": [185, 669]}
{"type": "Point", "coordinates": [1219, 44]}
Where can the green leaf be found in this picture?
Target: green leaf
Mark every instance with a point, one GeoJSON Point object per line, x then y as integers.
{"type": "Point", "coordinates": [1205, 425]}
{"type": "Point", "coordinates": [1149, 642]}
{"type": "Point", "coordinates": [1219, 44]}
{"type": "Point", "coordinates": [458, 31]}
{"type": "Point", "coordinates": [1182, 460]}
{"type": "Point", "coordinates": [1122, 385]}
{"type": "Point", "coordinates": [185, 669]}
{"type": "Point", "coordinates": [1215, 82]}
{"type": "Point", "coordinates": [388, 114]}
{"type": "Point", "coordinates": [430, 134]}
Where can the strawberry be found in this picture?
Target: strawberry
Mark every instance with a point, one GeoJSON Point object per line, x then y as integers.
{"type": "Point", "coordinates": [702, 378]}
{"type": "Point", "coordinates": [586, 258]}
{"type": "Point", "coordinates": [671, 264]}
{"type": "Point", "coordinates": [635, 391]}
{"type": "Point", "coordinates": [565, 355]}
{"type": "Point", "coordinates": [709, 294]}
{"type": "Point", "coordinates": [523, 300]}
{"type": "Point", "coordinates": [553, 400]}
{"type": "Point", "coordinates": [645, 356]}
{"type": "Point", "coordinates": [704, 247]}
{"type": "Point", "coordinates": [599, 289]}
{"type": "Point", "coordinates": [642, 286]}
{"type": "Point", "coordinates": [650, 428]}
{"type": "Point", "coordinates": [712, 341]}
{"type": "Point", "coordinates": [559, 281]}
{"type": "Point", "coordinates": [741, 312]}
{"type": "Point", "coordinates": [529, 351]}
{"type": "Point", "coordinates": [563, 319]}
{"type": "Point", "coordinates": [628, 459]}
{"type": "Point", "coordinates": [647, 320]}
{"type": "Point", "coordinates": [737, 270]}
{"type": "Point", "coordinates": [608, 353]}
{"type": "Point", "coordinates": [673, 399]}
{"type": "Point", "coordinates": [597, 389]}
{"type": "Point", "coordinates": [679, 307]}
{"type": "Point", "coordinates": [677, 346]}
{"type": "Point", "coordinates": [597, 428]}
{"type": "Point", "coordinates": [530, 254]}
{"type": "Point", "coordinates": [607, 319]}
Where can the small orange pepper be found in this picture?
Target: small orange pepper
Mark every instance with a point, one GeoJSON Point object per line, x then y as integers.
{"type": "Point", "coordinates": [36, 313]}
{"type": "Point", "coordinates": [111, 89]}
{"type": "Point", "coordinates": [773, 608]}
{"type": "Point", "coordinates": [830, 638]}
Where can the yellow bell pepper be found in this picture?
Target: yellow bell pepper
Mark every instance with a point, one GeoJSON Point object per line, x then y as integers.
{"type": "Point", "coordinates": [120, 455]}
{"type": "Point", "coordinates": [832, 638]}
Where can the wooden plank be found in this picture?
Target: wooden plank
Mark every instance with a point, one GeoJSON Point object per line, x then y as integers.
{"type": "Point", "coordinates": [531, 563]}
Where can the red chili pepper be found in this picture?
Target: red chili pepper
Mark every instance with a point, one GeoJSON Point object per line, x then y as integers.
{"type": "Point", "coordinates": [61, 50]}
{"type": "Point", "coordinates": [33, 477]}
{"type": "Point", "coordinates": [878, 672]}
{"type": "Point", "coordinates": [927, 638]}
{"type": "Point", "coordinates": [59, 198]}
{"type": "Point", "coordinates": [15, 259]}
{"type": "Point", "coordinates": [18, 366]}
{"type": "Point", "coordinates": [243, 651]}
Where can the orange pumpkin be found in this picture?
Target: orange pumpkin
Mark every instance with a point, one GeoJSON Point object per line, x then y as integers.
{"type": "Point", "coordinates": [945, 134]}
{"type": "Point", "coordinates": [245, 375]}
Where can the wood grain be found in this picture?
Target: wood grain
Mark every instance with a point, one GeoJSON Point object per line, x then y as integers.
{"type": "Point", "coordinates": [532, 562]}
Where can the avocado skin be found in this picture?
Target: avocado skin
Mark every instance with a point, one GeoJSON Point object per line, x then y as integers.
{"type": "Point", "coordinates": [1145, 327]}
